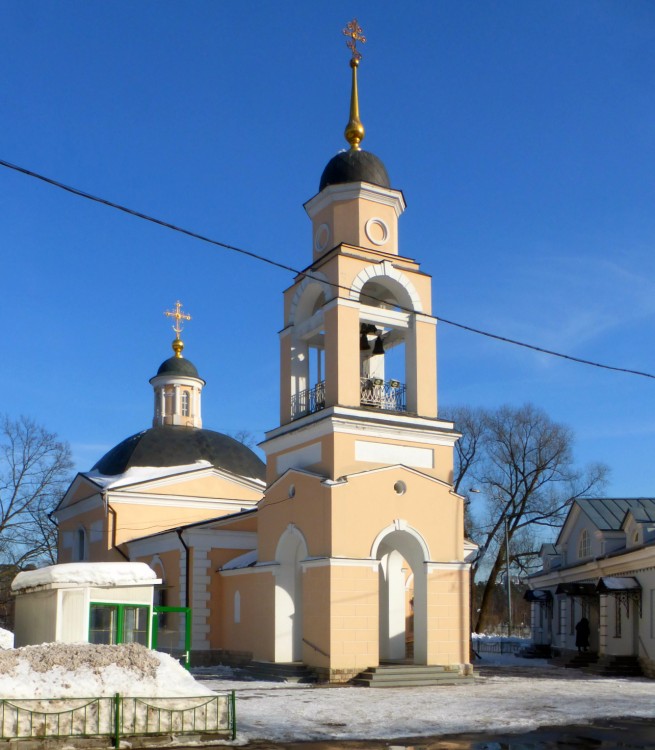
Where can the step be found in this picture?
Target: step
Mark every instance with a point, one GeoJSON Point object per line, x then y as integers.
{"type": "Point", "coordinates": [455, 679]}
{"type": "Point", "coordinates": [279, 672]}
{"type": "Point", "coordinates": [407, 675]}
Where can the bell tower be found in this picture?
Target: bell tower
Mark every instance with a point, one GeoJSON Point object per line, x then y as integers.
{"type": "Point", "coordinates": [359, 529]}
{"type": "Point", "coordinates": [359, 338]}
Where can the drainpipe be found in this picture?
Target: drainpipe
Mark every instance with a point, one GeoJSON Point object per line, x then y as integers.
{"type": "Point", "coordinates": [113, 527]}
{"type": "Point", "coordinates": [187, 567]}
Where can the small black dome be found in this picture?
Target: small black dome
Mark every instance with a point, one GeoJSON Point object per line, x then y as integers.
{"type": "Point", "coordinates": [172, 445]}
{"type": "Point", "coordinates": [178, 366]}
{"type": "Point", "coordinates": [354, 166]}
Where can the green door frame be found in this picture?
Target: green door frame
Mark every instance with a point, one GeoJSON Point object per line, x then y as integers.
{"type": "Point", "coordinates": [187, 630]}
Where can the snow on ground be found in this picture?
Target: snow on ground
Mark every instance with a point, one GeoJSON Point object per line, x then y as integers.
{"type": "Point", "coordinates": [77, 670]}
{"type": "Point", "coordinates": [509, 694]}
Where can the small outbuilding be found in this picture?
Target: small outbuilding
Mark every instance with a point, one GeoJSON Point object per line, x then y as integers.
{"type": "Point", "coordinates": [108, 603]}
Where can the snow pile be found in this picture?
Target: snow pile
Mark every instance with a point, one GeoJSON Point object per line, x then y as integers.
{"type": "Point", "coordinates": [87, 573]}
{"type": "Point", "coordinates": [6, 638]}
{"type": "Point", "coordinates": [76, 670]}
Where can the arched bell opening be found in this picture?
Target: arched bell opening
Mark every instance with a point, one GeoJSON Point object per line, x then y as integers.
{"type": "Point", "coordinates": [308, 352]}
{"type": "Point", "coordinates": [291, 549]}
{"type": "Point", "coordinates": [402, 598]}
{"type": "Point", "coordinates": [382, 345]}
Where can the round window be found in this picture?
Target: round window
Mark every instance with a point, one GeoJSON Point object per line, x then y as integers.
{"type": "Point", "coordinates": [400, 488]}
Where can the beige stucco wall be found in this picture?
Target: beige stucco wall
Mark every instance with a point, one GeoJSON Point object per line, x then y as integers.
{"type": "Point", "coordinates": [448, 617]}
{"type": "Point", "coordinates": [353, 617]}
{"type": "Point", "coordinates": [255, 633]}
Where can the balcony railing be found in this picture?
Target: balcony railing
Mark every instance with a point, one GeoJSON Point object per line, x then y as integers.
{"type": "Point", "coordinates": [308, 401]}
{"type": "Point", "coordinates": [388, 395]}
{"type": "Point", "coordinates": [383, 394]}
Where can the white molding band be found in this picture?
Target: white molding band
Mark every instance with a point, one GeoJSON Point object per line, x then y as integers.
{"type": "Point", "coordinates": [348, 191]}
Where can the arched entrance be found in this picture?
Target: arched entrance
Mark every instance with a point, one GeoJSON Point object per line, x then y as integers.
{"type": "Point", "coordinates": [402, 553]}
{"type": "Point", "coordinates": [291, 549]}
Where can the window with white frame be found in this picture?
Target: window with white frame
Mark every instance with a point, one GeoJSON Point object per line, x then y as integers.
{"type": "Point", "coordinates": [186, 401]}
{"type": "Point", "coordinates": [584, 544]}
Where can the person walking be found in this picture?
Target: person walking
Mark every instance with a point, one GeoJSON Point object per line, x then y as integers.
{"type": "Point", "coordinates": [582, 632]}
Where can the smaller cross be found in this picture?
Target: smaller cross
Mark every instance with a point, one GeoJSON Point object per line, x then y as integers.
{"type": "Point", "coordinates": [354, 31]}
{"type": "Point", "coordinates": [178, 315]}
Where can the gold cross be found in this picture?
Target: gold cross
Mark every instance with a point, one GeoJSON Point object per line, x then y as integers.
{"type": "Point", "coordinates": [354, 31]}
{"type": "Point", "coordinates": [178, 317]}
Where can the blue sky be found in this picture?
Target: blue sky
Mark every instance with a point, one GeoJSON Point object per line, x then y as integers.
{"type": "Point", "coordinates": [521, 133]}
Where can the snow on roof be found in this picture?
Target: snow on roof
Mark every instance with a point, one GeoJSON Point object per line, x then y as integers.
{"type": "Point", "coordinates": [242, 561]}
{"type": "Point", "coordinates": [616, 583]}
{"type": "Point", "coordinates": [87, 573]}
{"type": "Point", "coordinates": [137, 474]}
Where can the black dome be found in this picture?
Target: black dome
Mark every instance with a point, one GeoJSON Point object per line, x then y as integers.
{"type": "Point", "coordinates": [178, 366]}
{"type": "Point", "coordinates": [354, 166]}
{"type": "Point", "coordinates": [172, 445]}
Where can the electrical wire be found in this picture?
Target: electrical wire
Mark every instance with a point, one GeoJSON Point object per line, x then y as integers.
{"type": "Point", "coordinates": [297, 272]}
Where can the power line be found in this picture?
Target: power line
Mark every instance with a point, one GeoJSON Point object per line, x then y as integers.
{"type": "Point", "coordinates": [297, 272]}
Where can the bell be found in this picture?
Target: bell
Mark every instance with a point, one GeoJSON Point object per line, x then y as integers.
{"type": "Point", "coordinates": [379, 345]}
{"type": "Point", "coordinates": [364, 346]}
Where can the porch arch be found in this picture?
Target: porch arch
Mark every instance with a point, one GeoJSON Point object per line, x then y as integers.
{"type": "Point", "coordinates": [402, 553]}
{"type": "Point", "coordinates": [291, 549]}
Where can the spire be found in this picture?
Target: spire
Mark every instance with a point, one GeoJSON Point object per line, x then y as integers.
{"type": "Point", "coordinates": [177, 344]}
{"type": "Point", "coordinates": [354, 132]}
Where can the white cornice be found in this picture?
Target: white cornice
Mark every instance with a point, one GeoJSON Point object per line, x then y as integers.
{"type": "Point", "coordinates": [70, 511]}
{"type": "Point", "coordinates": [192, 475]}
{"type": "Point", "coordinates": [348, 191]}
{"type": "Point", "coordinates": [391, 318]}
{"type": "Point", "coordinates": [180, 501]}
{"type": "Point", "coordinates": [267, 567]}
{"type": "Point", "coordinates": [339, 562]}
{"type": "Point", "coordinates": [207, 538]}
{"type": "Point", "coordinates": [633, 559]}
{"type": "Point", "coordinates": [172, 378]}
{"type": "Point", "coordinates": [433, 567]}
{"type": "Point", "coordinates": [363, 424]}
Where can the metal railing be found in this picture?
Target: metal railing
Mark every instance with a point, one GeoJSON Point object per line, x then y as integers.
{"type": "Point", "coordinates": [116, 717]}
{"type": "Point", "coordinates": [308, 401]}
{"type": "Point", "coordinates": [383, 394]}
{"type": "Point", "coordinates": [389, 395]}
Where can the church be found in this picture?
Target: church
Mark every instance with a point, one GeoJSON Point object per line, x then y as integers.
{"type": "Point", "coordinates": [345, 549]}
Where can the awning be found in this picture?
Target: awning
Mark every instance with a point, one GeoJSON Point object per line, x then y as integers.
{"type": "Point", "coordinates": [576, 589]}
{"type": "Point", "coordinates": [541, 596]}
{"type": "Point", "coordinates": [614, 584]}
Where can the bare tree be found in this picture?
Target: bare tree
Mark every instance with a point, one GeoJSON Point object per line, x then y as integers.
{"type": "Point", "coordinates": [521, 463]}
{"type": "Point", "coordinates": [35, 469]}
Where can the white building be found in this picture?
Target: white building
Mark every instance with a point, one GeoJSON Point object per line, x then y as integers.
{"type": "Point", "coordinates": [601, 567]}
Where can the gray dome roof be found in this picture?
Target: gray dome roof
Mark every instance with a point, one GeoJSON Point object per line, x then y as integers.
{"type": "Point", "coordinates": [178, 366]}
{"type": "Point", "coordinates": [354, 166]}
{"type": "Point", "coordinates": [172, 445]}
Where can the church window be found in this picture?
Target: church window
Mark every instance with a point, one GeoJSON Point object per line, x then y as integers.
{"type": "Point", "coordinates": [584, 545]}
{"type": "Point", "coordinates": [80, 545]}
{"type": "Point", "coordinates": [400, 488]}
{"type": "Point", "coordinates": [237, 607]}
{"type": "Point", "coordinates": [185, 404]}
